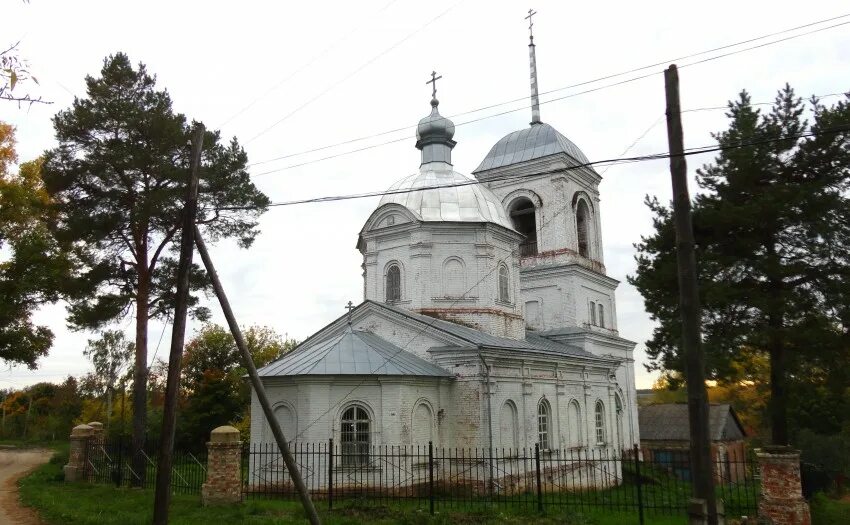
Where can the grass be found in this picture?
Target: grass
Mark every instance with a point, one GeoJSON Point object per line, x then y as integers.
{"type": "Point", "coordinates": [91, 504]}
{"type": "Point", "coordinates": [827, 511]}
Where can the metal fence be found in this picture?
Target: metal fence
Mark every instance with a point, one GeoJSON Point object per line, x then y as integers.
{"type": "Point", "coordinates": [457, 478]}
{"type": "Point", "coordinates": [435, 478]}
{"type": "Point", "coordinates": [111, 462]}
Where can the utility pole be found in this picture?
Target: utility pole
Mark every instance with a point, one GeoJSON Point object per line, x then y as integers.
{"type": "Point", "coordinates": [282, 444]}
{"type": "Point", "coordinates": [703, 481]}
{"type": "Point", "coordinates": [162, 490]}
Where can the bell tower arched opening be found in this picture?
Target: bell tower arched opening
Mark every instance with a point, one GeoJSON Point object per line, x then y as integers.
{"type": "Point", "coordinates": [582, 218]}
{"type": "Point", "coordinates": [524, 219]}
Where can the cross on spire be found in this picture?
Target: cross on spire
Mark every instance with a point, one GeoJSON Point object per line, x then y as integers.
{"type": "Point", "coordinates": [350, 307]}
{"type": "Point", "coordinates": [433, 82]}
{"type": "Point", "coordinates": [531, 13]}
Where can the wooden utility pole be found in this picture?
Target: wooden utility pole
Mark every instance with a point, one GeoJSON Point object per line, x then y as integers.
{"type": "Point", "coordinates": [162, 490]}
{"type": "Point", "coordinates": [248, 361]}
{"type": "Point", "coordinates": [700, 452]}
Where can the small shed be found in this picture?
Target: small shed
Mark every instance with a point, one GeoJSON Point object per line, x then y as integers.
{"type": "Point", "coordinates": [665, 439]}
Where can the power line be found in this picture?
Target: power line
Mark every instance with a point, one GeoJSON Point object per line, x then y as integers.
{"type": "Point", "coordinates": [617, 160]}
{"type": "Point", "coordinates": [358, 70]}
{"type": "Point", "coordinates": [306, 65]}
{"type": "Point", "coordinates": [406, 138]}
{"type": "Point", "coordinates": [592, 81]}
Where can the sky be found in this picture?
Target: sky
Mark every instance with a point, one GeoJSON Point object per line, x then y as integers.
{"type": "Point", "coordinates": [288, 77]}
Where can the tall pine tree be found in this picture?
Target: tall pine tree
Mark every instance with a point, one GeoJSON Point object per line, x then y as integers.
{"type": "Point", "coordinates": [118, 179]}
{"type": "Point", "coordinates": [772, 228]}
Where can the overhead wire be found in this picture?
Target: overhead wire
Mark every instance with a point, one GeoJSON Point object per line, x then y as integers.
{"type": "Point", "coordinates": [586, 82]}
{"type": "Point", "coordinates": [353, 73]}
{"type": "Point", "coordinates": [616, 160]}
{"type": "Point", "coordinates": [307, 64]}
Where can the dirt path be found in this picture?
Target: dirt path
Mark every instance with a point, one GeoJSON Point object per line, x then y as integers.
{"type": "Point", "coordinates": [14, 464]}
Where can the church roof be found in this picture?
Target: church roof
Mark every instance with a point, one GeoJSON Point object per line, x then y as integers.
{"type": "Point", "coordinates": [448, 196]}
{"type": "Point", "coordinates": [539, 140]}
{"type": "Point", "coordinates": [532, 341]}
{"type": "Point", "coordinates": [354, 352]}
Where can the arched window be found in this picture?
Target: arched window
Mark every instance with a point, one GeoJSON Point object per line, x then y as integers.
{"type": "Point", "coordinates": [544, 424]}
{"type": "Point", "coordinates": [523, 218]}
{"type": "Point", "coordinates": [508, 426]}
{"type": "Point", "coordinates": [575, 424]}
{"type": "Point", "coordinates": [618, 405]}
{"type": "Point", "coordinates": [582, 218]}
{"type": "Point", "coordinates": [600, 423]}
{"type": "Point", "coordinates": [503, 284]}
{"type": "Point", "coordinates": [288, 422]}
{"type": "Point", "coordinates": [393, 283]}
{"type": "Point", "coordinates": [592, 313]}
{"type": "Point", "coordinates": [454, 278]}
{"type": "Point", "coordinates": [355, 430]}
{"type": "Point", "coordinates": [423, 425]}
{"type": "Point", "coordinates": [601, 315]}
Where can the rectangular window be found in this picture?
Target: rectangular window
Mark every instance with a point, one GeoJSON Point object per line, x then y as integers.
{"type": "Point", "coordinates": [592, 313]}
{"type": "Point", "coordinates": [601, 316]}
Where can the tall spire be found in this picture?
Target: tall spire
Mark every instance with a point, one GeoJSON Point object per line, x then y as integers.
{"type": "Point", "coordinates": [535, 100]}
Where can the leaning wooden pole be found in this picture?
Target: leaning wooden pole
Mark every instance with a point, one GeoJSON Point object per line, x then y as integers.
{"type": "Point", "coordinates": [282, 444]}
{"type": "Point", "coordinates": [689, 309]}
{"type": "Point", "coordinates": [162, 490]}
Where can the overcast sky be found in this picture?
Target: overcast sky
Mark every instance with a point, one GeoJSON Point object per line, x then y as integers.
{"type": "Point", "coordinates": [285, 77]}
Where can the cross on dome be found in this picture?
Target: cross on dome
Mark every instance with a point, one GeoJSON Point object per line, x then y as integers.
{"type": "Point", "coordinates": [433, 82]}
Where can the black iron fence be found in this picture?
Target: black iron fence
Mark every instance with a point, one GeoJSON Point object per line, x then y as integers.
{"type": "Point", "coordinates": [433, 477]}
{"type": "Point", "coordinates": [112, 462]}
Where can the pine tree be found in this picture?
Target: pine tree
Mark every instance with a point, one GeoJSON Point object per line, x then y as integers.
{"type": "Point", "coordinates": [772, 228]}
{"type": "Point", "coordinates": [118, 179]}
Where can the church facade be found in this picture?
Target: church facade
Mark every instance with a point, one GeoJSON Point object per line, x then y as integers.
{"type": "Point", "coordinates": [487, 320]}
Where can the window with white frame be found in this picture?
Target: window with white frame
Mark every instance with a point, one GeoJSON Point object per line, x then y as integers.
{"type": "Point", "coordinates": [544, 424]}
{"type": "Point", "coordinates": [600, 423]}
{"type": "Point", "coordinates": [592, 313]}
{"type": "Point", "coordinates": [355, 428]}
{"type": "Point", "coordinates": [601, 315]}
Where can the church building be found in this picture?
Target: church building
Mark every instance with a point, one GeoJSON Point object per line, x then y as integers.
{"type": "Point", "coordinates": [487, 320]}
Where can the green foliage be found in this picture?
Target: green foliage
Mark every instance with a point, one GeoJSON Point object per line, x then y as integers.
{"type": "Point", "coordinates": [41, 412]}
{"type": "Point", "coordinates": [213, 379]}
{"type": "Point", "coordinates": [38, 267]}
{"type": "Point", "coordinates": [772, 229]}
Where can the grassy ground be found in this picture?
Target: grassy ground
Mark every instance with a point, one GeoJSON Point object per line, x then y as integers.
{"type": "Point", "coordinates": [827, 511]}
{"type": "Point", "coordinates": [84, 504]}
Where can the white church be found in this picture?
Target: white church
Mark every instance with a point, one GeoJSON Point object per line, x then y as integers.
{"type": "Point", "coordinates": [487, 320]}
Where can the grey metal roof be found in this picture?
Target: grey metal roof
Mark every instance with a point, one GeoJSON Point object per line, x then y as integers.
{"type": "Point", "coordinates": [353, 352]}
{"type": "Point", "coordinates": [469, 202]}
{"type": "Point", "coordinates": [539, 140]}
{"type": "Point", "coordinates": [669, 422]}
{"type": "Point", "coordinates": [532, 341]}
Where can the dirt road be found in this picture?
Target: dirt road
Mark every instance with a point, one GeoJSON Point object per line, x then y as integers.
{"type": "Point", "coordinates": [15, 463]}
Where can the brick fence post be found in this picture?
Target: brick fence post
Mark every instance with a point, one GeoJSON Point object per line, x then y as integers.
{"type": "Point", "coordinates": [75, 470]}
{"type": "Point", "coordinates": [224, 467]}
{"type": "Point", "coordinates": [781, 492]}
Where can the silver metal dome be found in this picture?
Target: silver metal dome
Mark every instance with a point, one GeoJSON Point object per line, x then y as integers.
{"type": "Point", "coordinates": [464, 200]}
{"type": "Point", "coordinates": [539, 140]}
